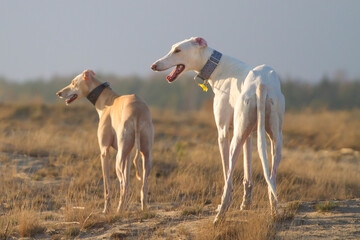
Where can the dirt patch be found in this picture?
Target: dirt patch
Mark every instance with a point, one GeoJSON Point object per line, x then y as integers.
{"type": "Point", "coordinates": [340, 222]}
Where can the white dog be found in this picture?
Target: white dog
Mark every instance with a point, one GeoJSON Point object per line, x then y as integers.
{"type": "Point", "coordinates": [123, 121]}
{"type": "Point", "coordinates": [255, 96]}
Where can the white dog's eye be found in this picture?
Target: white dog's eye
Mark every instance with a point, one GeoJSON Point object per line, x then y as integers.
{"type": "Point", "coordinates": [177, 50]}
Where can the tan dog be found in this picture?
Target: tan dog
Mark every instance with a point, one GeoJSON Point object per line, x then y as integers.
{"type": "Point", "coordinates": [123, 121]}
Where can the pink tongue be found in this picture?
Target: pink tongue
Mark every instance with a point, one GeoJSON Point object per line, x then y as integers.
{"type": "Point", "coordinates": [172, 74]}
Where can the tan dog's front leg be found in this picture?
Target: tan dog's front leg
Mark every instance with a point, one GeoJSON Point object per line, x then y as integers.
{"type": "Point", "coordinates": [106, 177]}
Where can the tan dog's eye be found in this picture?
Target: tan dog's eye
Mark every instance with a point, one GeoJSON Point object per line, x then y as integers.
{"type": "Point", "coordinates": [177, 50]}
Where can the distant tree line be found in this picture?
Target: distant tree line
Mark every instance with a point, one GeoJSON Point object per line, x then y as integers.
{"type": "Point", "coordinates": [184, 94]}
{"type": "Point", "coordinates": [327, 94]}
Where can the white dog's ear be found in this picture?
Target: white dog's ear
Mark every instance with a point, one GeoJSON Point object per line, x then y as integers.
{"type": "Point", "coordinates": [88, 73]}
{"type": "Point", "coordinates": [200, 41]}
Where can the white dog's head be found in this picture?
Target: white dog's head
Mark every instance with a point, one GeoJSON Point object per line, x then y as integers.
{"type": "Point", "coordinates": [184, 56]}
{"type": "Point", "coordinates": [78, 88]}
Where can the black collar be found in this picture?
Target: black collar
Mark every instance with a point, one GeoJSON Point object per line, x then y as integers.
{"type": "Point", "coordinates": [95, 93]}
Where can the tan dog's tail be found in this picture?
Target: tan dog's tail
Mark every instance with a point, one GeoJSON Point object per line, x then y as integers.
{"type": "Point", "coordinates": [137, 150]}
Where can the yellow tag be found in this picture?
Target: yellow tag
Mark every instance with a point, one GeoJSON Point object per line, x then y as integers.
{"type": "Point", "coordinates": [204, 88]}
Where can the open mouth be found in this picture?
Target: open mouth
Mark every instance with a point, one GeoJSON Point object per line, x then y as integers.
{"type": "Point", "coordinates": [176, 72]}
{"type": "Point", "coordinates": [71, 98]}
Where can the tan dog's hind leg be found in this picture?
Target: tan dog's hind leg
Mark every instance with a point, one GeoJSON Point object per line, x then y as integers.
{"type": "Point", "coordinates": [146, 158]}
{"type": "Point", "coordinates": [125, 144]}
{"type": "Point", "coordinates": [137, 151]}
{"type": "Point", "coordinates": [136, 165]}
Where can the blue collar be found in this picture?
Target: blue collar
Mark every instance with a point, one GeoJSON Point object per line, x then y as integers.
{"type": "Point", "coordinates": [209, 66]}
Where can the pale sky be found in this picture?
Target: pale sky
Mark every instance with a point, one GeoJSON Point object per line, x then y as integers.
{"type": "Point", "coordinates": [304, 39]}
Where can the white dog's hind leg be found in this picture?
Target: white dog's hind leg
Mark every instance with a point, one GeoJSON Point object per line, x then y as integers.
{"type": "Point", "coordinates": [243, 124]}
{"type": "Point", "coordinates": [248, 185]}
{"type": "Point", "coordinates": [276, 148]}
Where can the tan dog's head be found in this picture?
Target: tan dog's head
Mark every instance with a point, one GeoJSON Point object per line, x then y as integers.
{"type": "Point", "coordinates": [185, 56]}
{"type": "Point", "coordinates": [78, 88]}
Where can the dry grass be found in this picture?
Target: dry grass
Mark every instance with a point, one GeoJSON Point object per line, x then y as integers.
{"type": "Point", "coordinates": [6, 226]}
{"type": "Point", "coordinates": [326, 206]}
{"type": "Point", "coordinates": [323, 129]}
{"type": "Point", "coordinates": [50, 163]}
{"type": "Point", "coordinates": [29, 223]}
{"type": "Point", "coordinates": [256, 226]}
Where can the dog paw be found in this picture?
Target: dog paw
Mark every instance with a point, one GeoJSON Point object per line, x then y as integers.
{"type": "Point", "coordinates": [105, 211]}
{"type": "Point", "coordinates": [218, 208]}
{"type": "Point", "coordinates": [219, 218]}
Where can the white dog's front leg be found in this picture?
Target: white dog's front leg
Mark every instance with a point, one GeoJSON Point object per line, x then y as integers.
{"type": "Point", "coordinates": [223, 142]}
{"type": "Point", "coordinates": [226, 198]}
{"type": "Point", "coordinates": [106, 177]}
{"type": "Point", "coordinates": [223, 115]}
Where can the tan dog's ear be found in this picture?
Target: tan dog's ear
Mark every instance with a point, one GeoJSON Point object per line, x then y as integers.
{"type": "Point", "coordinates": [200, 41]}
{"type": "Point", "coordinates": [87, 73]}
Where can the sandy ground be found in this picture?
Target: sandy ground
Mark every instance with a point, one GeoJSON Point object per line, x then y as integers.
{"type": "Point", "coordinates": [342, 222]}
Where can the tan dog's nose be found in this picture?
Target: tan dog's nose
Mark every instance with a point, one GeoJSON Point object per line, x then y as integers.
{"type": "Point", "coordinates": [154, 67]}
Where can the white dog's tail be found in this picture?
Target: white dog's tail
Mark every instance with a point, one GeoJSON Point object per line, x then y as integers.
{"type": "Point", "coordinates": [137, 149]}
{"type": "Point", "coordinates": [261, 92]}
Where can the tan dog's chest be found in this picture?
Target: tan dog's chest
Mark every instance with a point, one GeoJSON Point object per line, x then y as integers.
{"type": "Point", "coordinates": [106, 130]}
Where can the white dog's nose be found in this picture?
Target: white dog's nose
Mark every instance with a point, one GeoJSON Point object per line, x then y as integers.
{"type": "Point", "coordinates": [154, 67]}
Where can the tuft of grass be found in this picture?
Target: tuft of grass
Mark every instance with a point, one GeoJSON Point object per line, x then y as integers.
{"type": "Point", "coordinates": [159, 231]}
{"type": "Point", "coordinates": [118, 236]}
{"type": "Point", "coordinates": [6, 227]}
{"type": "Point", "coordinates": [254, 226]}
{"type": "Point", "coordinates": [181, 149]}
{"type": "Point", "coordinates": [146, 215]}
{"type": "Point", "coordinates": [83, 212]}
{"type": "Point", "coordinates": [183, 231]}
{"type": "Point", "coordinates": [326, 206]}
{"type": "Point", "coordinates": [192, 211]}
{"type": "Point", "coordinates": [289, 212]}
{"type": "Point", "coordinates": [29, 224]}
{"type": "Point", "coordinates": [72, 231]}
